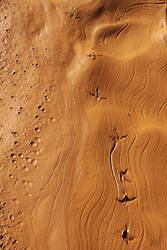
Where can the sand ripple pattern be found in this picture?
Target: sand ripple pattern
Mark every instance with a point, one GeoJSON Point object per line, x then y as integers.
{"type": "Point", "coordinates": [83, 137]}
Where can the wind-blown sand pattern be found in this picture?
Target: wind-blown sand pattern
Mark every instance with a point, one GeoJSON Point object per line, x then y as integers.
{"type": "Point", "coordinates": [83, 124]}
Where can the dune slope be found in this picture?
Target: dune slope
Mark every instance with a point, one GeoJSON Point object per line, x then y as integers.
{"type": "Point", "coordinates": [83, 135]}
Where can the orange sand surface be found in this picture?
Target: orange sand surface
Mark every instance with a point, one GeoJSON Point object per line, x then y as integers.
{"type": "Point", "coordinates": [83, 124]}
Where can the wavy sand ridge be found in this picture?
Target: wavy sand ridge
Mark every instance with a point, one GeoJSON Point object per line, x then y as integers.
{"type": "Point", "coordinates": [83, 134]}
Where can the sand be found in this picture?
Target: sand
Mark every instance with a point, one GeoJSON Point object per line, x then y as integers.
{"type": "Point", "coordinates": [83, 114]}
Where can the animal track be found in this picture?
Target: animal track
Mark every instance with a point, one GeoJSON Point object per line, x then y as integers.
{"type": "Point", "coordinates": [126, 199]}
{"type": "Point", "coordinates": [96, 95]}
{"type": "Point", "coordinates": [116, 137]}
{"type": "Point", "coordinates": [122, 174]}
{"type": "Point", "coordinates": [126, 236]}
{"type": "Point", "coordinates": [93, 55]}
{"type": "Point", "coordinates": [72, 13]}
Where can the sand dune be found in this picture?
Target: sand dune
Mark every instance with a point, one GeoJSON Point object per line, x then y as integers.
{"type": "Point", "coordinates": [83, 136]}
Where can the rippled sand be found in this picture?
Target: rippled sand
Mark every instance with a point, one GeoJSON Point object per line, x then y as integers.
{"type": "Point", "coordinates": [83, 125]}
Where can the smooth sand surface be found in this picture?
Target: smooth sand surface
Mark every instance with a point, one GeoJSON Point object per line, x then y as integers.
{"type": "Point", "coordinates": [83, 125]}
